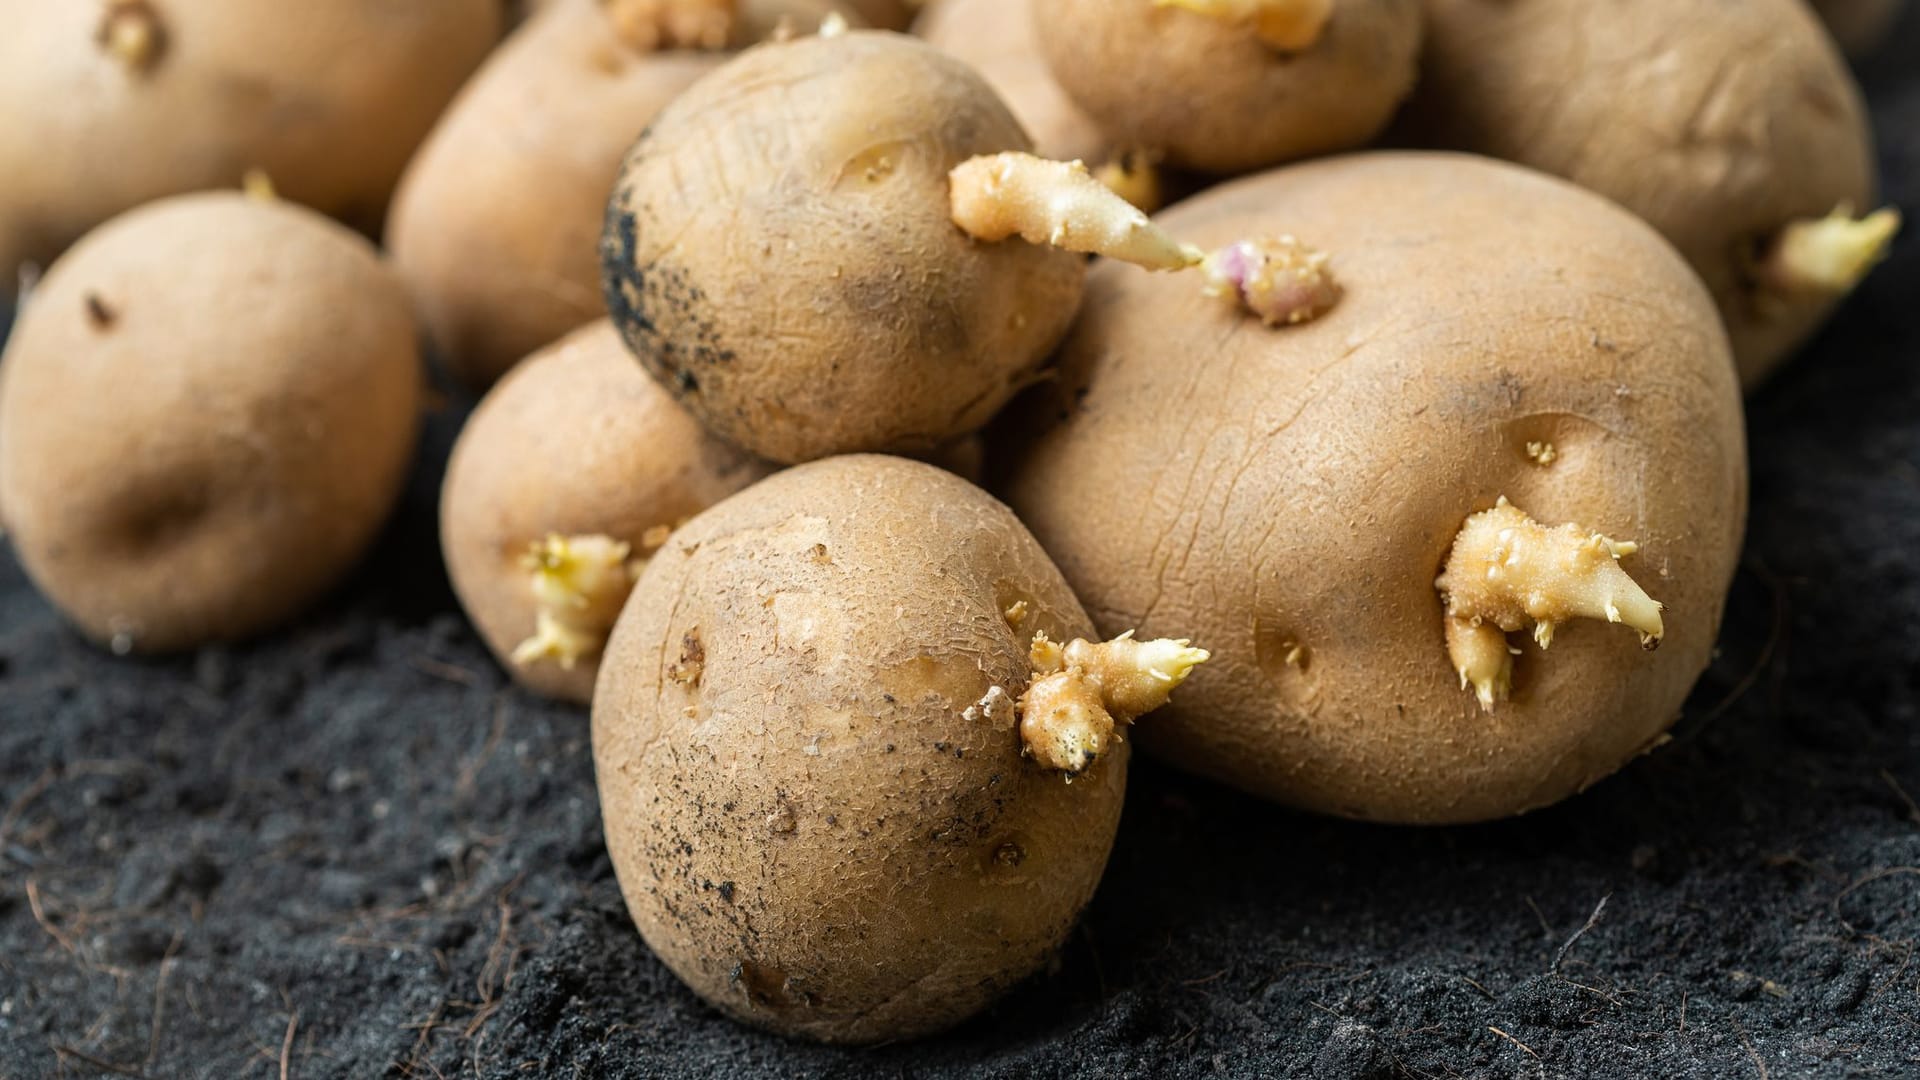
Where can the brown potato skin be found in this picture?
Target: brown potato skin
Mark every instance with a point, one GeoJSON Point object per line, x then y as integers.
{"type": "Point", "coordinates": [208, 410]}
{"type": "Point", "coordinates": [779, 251]}
{"type": "Point", "coordinates": [495, 225]}
{"type": "Point", "coordinates": [496, 222]}
{"type": "Point", "coordinates": [811, 832]}
{"type": "Point", "coordinates": [998, 38]}
{"type": "Point", "coordinates": [1257, 488]}
{"type": "Point", "coordinates": [577, 441]}
{"type": "Point", "coordinates": [1717, 123]}
{"type": "Point", "coordinates": [1209, 95]}
{"type": "Point", "coordinates": [328, 99]}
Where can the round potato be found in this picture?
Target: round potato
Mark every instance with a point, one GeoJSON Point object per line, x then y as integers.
{"type": "Point", "coordinates": [809, 763]}
{"type": "Point", "coordinates": [1720, 124]}
{"type": "Point", "coordinates": [209, 407]}
{"type": "Point", "coordinates": [997, 37]}
{"type": "Point", "coordinates": [1290, 495]}
{"type": "Point", "coordinates": [780, 252]}
{"type": "Point", "coordinates": [495, 223]}
{"type": "Point", "coordinates": [1202, 84]}
{"type": "Point", "coordinates": [577, 454]}
{"type": "Point", "coordinates": [114, 103]}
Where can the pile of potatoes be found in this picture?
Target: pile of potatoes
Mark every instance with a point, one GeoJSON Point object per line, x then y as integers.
{"type": "Point", "coordinates": [1329, 481]}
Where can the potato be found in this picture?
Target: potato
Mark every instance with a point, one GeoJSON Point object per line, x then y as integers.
{"type": "Point", "coordinates": [118, 102]}
{"type": "Point", "coordinates": [1720, 124]}
{"type": "Point", "coordinates": [499, 272]}
{"type": "Point", "coordinates": [1290, 495]}
{"type": "Point", "coordinates": [780, 252]}
{"type": "Point", "coordinates": [576, 453]}
{"type": "Point", "coordinates": [1210, 86]}
{"type": "Point", "coordinates": [208, 409]}
{"type": "Point", "coordinates": [1860, 26]}
{"type": "Point", "coordinates": [809, 765]}
{"type": "Point", "coordinates": [997, 37]}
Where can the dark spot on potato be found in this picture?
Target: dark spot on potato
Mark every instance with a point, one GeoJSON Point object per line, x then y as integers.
{"type": "Point", "coordinates": [726, 891]}
{"type": "Point", "coordinates": [693, 660]}
{"type": "Point", "coordinates": [98, 313]}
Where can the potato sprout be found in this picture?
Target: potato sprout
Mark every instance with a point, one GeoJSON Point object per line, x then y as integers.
{"type": "Point", "coordinates": [1062, 204]}
{"type": "Point", "coordinates": [579, 583]}
{"type": "Point", "coordinates": [1507, 572]}
{"type": "Point", "coordinates": [1829, 255]}
{"type": "Point", "coordinates": [1083, 690]}
{"type": "Point", "coordinates": [647, 25]}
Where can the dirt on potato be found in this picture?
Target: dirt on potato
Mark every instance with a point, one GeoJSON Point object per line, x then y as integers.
{"type": "Point", "coordinates": [352, 849]}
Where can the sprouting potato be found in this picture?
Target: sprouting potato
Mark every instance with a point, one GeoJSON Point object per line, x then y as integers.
{"type": "Point", "coordinates": [860, 760]}
{"type": "Point", "coordinates": [1406, 526]}
{"type": "Point", "coordinates": [1736, 130]}
{"type": "Point", "coordinates": [1228, 86]}
{"type": "Point", "coordinates": [113, 103]}
{"type": "Point", "coordinates": [569, 474]}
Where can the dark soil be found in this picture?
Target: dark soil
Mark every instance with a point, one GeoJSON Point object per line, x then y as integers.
{"type": "Point", "coordinates": [351, 851]}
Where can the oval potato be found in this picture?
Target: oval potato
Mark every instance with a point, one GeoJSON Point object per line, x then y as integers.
{"type": "Point", "coordinates": [327, 99]}
{"type": "Point", "coordinates": [1288, 495]}
{"type": "Point", "coordinates": [209, 407]}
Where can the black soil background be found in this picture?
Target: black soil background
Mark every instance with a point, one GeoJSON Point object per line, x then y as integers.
{"type": "Point", "coordinates": [353, 851]}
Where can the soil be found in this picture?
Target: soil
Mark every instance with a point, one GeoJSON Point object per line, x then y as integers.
{"type": "Point", "coordinates": [352, 851]}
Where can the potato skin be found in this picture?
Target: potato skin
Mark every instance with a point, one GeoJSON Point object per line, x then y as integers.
{"type": "Point", "coordinates": [329, 99]}
{"type": "Point", "coordinates": [208, 410]}
{"type": "Point", "coordinates": [779, 252]}
{"type": "Point", "coordinates": [496, 222]}
{"type": "Point", "coordinates": [997, 37]}
{"type": "Point", "coordinates": [1211, 96]}
{"type": "Point", "coordinates": [577, 441]}
{"type": "Point", "coordinates": [808, 825]}
{"type": "Point", "coordinates": [1717, 123]}
{"type": "Point", "coordinates": [1260, 489]}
